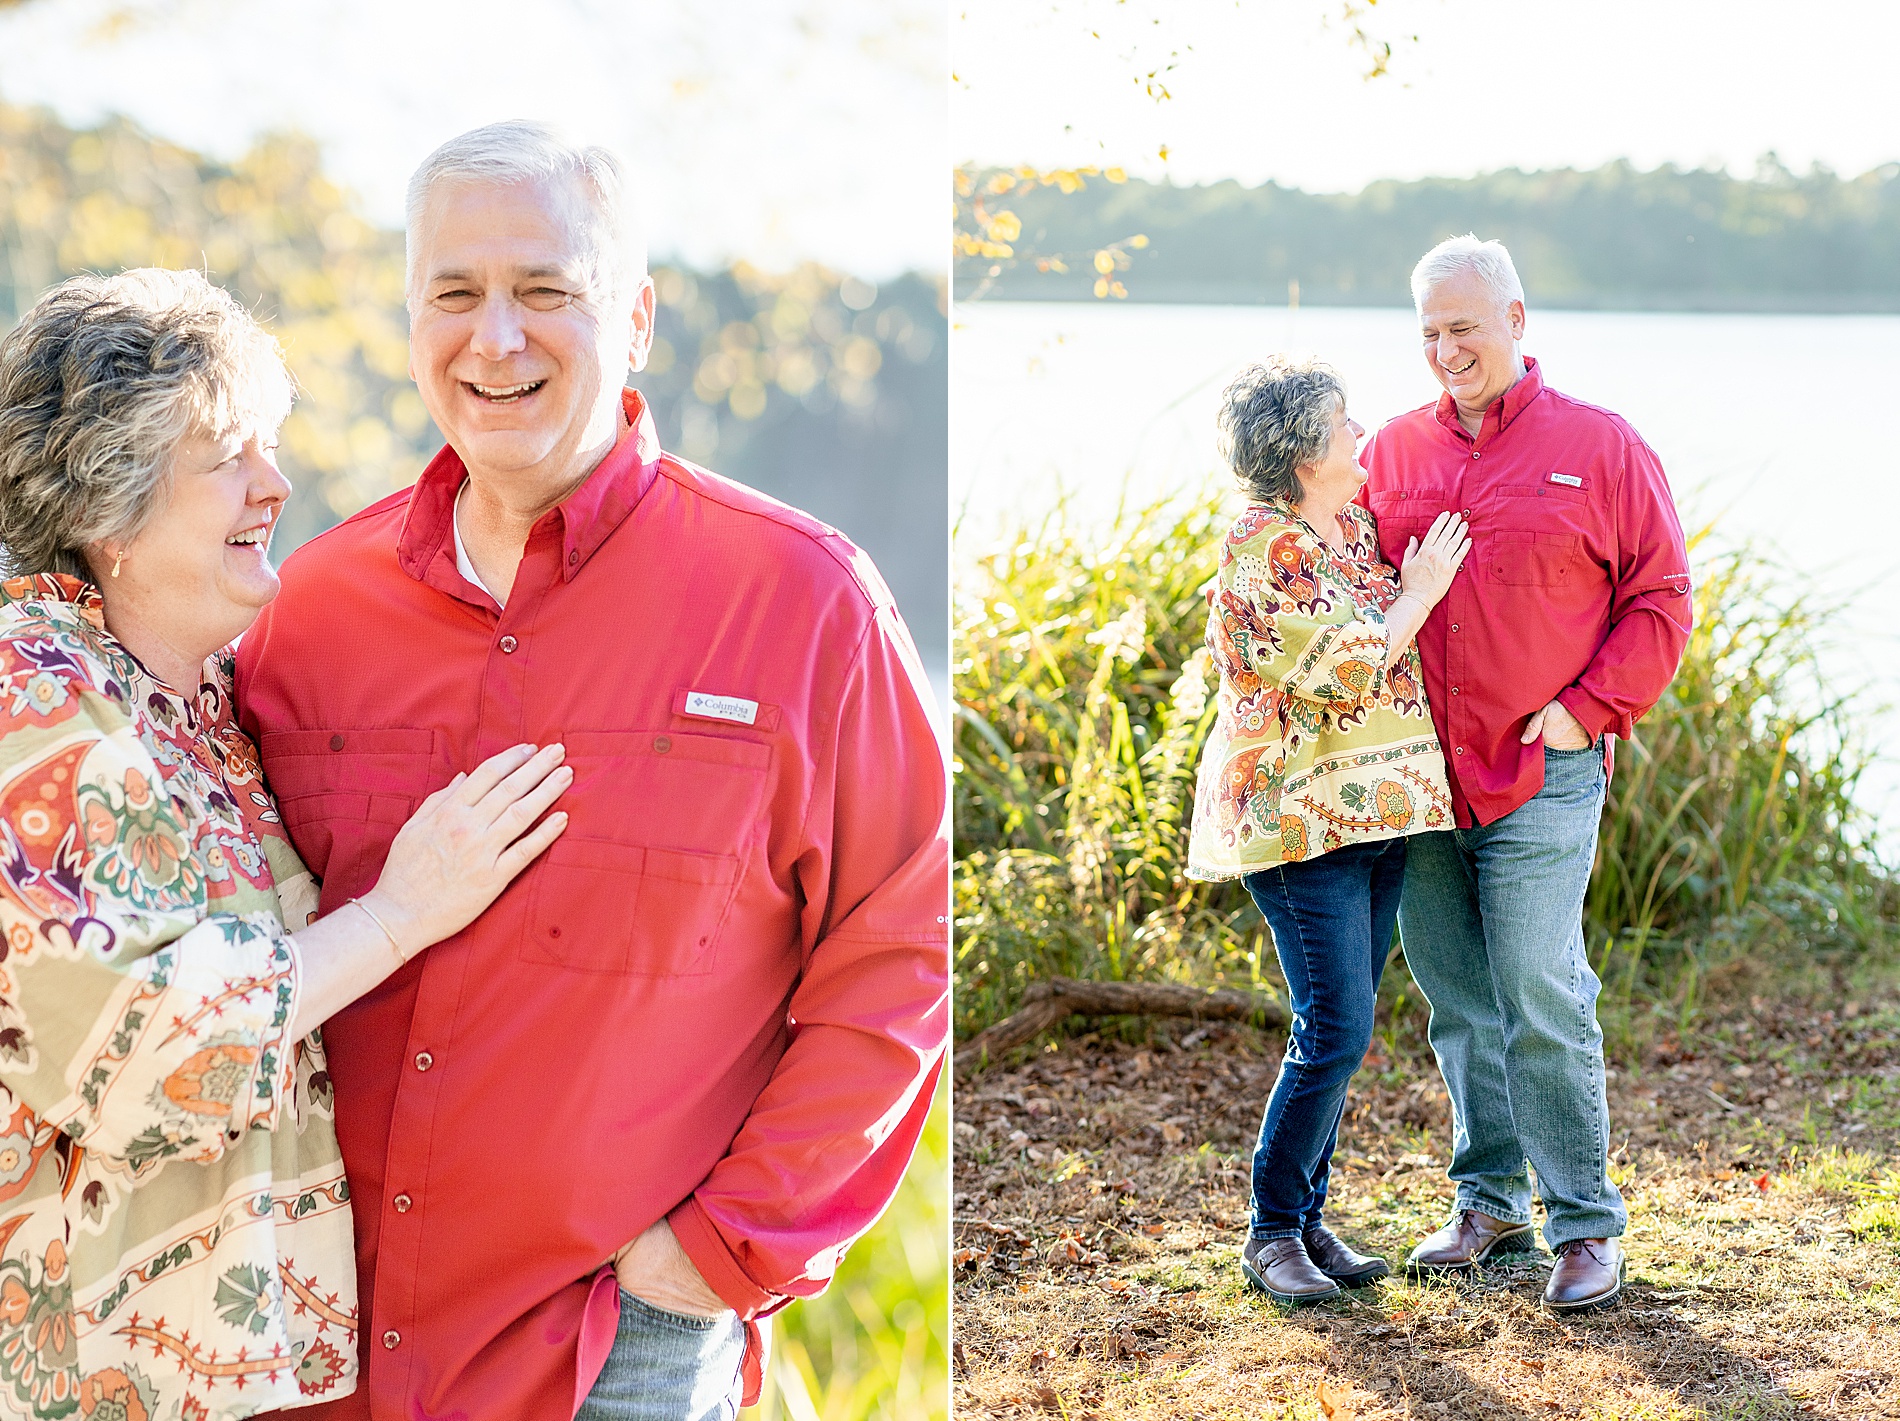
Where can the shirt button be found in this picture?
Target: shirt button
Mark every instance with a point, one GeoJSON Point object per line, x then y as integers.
{"type": "Point", "coordinates": [424, 1060]}
{"type": "Point", "coordinates": [392, 1339]}
{"type": "Point", "coordinates": [573, 558]}
{"type": "Point", "coordinates": [662, 743]}
{"type": "Point", "coordinates": [336, 742]}
{"type": "Point", "coordinates": [1454, 690]}
{"type": "Point", "coordinates": [1476, 455]}
{"type": "Point", "coordinates": [1461, 749]}
{"type": "Point", "coordinates": [508, 644]}
{"type": "Point", "coordinates": [1454, 626]}
{"type": "Point", "coordinates": [403, 1203]}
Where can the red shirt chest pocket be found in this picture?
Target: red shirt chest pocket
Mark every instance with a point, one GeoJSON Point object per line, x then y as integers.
{"type": "Point", "coordinates": [343, 795]}
{"type": "Point", "coordinates": [1541, 535]}
{"type": "Point", "coordinates": [662, 826]}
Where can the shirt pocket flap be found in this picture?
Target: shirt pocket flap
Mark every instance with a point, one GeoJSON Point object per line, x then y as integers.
{"type": "Point", "coordinates": [667, 788]}
{"type": "Point", "coordinates": [1578, 492]}
{"type": "Point", "coordinates": [308, 762]}
{"type": "Point", "coordinates": [1410, 502]}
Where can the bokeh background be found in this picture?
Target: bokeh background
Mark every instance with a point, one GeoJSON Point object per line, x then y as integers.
{"type": "Point", "coordinates": [791, 157]}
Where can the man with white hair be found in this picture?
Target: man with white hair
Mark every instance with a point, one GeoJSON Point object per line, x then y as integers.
{"type": "Point", "coordinates": [1564, 626]}
{"type": "Point", "coordinates": [654, 1093]}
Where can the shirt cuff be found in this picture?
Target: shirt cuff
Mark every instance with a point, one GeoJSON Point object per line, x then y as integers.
{"type": "Point", "coordinates": [1593, 715]}
{"type": "Point", "coordinates": [715, 1262]}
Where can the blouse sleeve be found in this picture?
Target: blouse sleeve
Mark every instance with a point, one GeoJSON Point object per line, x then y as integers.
{"type": "Point", "coordinates": [1292, 627]}
{"type": "Point", "coordinates": [141, 1026]}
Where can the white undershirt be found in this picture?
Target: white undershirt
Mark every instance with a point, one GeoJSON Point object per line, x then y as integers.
{"type": "Point", "coordinates": [462, 564]}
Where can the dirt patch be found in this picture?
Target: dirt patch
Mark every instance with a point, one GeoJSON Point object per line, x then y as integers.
{"type": "Point", "coordinates": [1101, 1201]}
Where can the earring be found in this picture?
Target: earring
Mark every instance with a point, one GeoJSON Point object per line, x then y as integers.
{"type": "Point", "coordinates": [118, 562]}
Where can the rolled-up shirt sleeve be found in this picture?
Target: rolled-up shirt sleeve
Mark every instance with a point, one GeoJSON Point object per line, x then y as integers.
{"type": "Point", "coordinates": [827, 1142]}
{"type": "Point", "coordinates": [139, 1024]}
{"type": "Point", "coordinates": [1651, 606]}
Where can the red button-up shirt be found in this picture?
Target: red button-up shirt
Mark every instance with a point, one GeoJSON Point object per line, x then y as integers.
{"type": "Point", "coordinates": [720, 998]}
{"type": "Point", "coordinates": [1576, 588]}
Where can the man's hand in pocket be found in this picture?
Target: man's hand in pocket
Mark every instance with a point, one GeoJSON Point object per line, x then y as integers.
{"type": "Point", "coordinates": [656, 1270]}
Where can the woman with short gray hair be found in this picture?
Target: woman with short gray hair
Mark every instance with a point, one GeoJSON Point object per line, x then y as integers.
{"type": "Point", "coordinates": [1322, 758]}
{"type": "Point", "coordinates": [175, 1235]}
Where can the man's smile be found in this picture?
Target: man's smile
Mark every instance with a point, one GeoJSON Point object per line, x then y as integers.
{"type": "Point", "coordinates": [502, 394]}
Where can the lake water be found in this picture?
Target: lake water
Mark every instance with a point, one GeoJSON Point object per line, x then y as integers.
{"type": "Point", "coordinates": [1767, 426]}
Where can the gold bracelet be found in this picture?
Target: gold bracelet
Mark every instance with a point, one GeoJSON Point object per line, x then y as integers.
{"type": "Point", "coordinates": [370, 913]}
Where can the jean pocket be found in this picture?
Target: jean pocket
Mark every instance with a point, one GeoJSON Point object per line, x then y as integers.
{"type": "Point", "coordinates": [638, 1310]}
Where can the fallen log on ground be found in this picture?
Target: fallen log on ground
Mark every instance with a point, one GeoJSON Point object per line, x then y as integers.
{"type": "Point", "coordinates": [1048, 1004]}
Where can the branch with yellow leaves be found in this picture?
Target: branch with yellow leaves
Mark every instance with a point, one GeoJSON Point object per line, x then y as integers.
{"type": "Point", "coordinates": [988, 232]}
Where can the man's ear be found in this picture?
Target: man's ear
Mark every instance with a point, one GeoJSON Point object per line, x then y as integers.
{"type": "Point", "coordinates": [1515, 314]}
{"type": "Point", "coordinates": [643, 306]}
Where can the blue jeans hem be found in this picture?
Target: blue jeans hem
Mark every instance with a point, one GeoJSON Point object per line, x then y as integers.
{"type": "Point", "coordinates": [1506, 1216]}
{"type": "Point", "coordinates": [1556, 1237]}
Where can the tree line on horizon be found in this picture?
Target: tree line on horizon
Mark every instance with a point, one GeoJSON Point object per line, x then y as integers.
{"type": "Point", "coordinates": [1613, 237]}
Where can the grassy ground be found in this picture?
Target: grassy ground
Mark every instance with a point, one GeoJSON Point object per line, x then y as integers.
{"type": "Point", "coordinates": [1101, 1196]}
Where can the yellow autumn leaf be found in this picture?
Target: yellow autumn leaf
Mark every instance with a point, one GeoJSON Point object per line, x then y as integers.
{"type": "Point", "coordinates": [1138, 241]}
{"type": "Point", "coordinates": [1104, 261]}
{"type": "Point", "coordinates": [1101, 287]}
{"type": "Point", "coordinates": [1004, 227]}
{"type": "Point", "coordinates": [1336, 1402]}
{"type": "Point", "coordinates": [1002, 182]}
{"type": "Point", "coordinates": [1116, 175]}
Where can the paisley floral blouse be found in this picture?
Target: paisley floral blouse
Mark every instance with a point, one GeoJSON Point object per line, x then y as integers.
{"type": "Point", "coordinates": [174, 1224]}
{"type": "Point", "coordinates": [1317, 741]}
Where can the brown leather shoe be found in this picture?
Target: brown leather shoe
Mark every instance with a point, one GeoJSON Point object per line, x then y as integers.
{"type": "Point", "coordinates": [1338, 1262]}
{"type": "Point", "coordinates": [1280, 1268]}
{"type": "Point", "coordinates": [1589, 1273]}
{"type": "Point", "coordinates": [1469, 1239]}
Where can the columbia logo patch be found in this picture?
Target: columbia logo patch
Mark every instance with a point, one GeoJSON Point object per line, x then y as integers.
{"type": "Point", "coordinates": [1570, 479]}
{"type": "Point", "coordinates": [733, 708]}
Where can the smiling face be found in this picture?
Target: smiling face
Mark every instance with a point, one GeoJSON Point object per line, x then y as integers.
{"type": "Point", "coordinates": [1331, 482]}
{"type": "Point", "coordinates": [199, 571]}
{"type": "Point", "coordinates": [1471, 342]}
{"type": "Point", "coordinates": [517, 353]}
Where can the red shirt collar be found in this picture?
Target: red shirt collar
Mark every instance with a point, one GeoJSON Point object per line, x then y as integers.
{"type": "Point", "coordinates": [583, 519]}
{"type": "Point", "coordinates": [1505, 408]}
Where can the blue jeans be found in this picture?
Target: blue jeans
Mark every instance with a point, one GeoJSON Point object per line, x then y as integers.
{"type": "Point", "coordinates": [666, 1366]}
{"type": "Point", "coordinates": [1332, 920]}
{"type": "Point", "coordinates": [1492, 923]}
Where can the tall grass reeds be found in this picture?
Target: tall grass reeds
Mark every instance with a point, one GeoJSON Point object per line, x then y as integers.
{"type": "Point", "coordinates": [1083, 698]}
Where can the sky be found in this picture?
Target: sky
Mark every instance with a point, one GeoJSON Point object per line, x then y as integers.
{"type": "Point", "coordinates": [773, 130]}
{"type": "Point", "coordinates": [1274, 89]}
